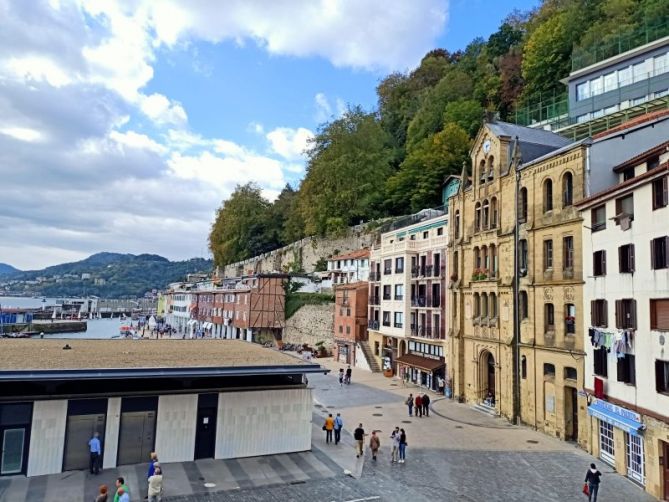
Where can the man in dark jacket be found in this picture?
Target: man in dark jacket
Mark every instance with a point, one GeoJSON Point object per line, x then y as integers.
{"type": "Point", "coordinates": [359, 436]}
{"type": "Point", "coordinates": [592, 478]}
{"type": "Point", "coordinates": [426, 405]}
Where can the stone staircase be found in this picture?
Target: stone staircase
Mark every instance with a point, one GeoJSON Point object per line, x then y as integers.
{"type": "Point", "coordinates": [369, 356]}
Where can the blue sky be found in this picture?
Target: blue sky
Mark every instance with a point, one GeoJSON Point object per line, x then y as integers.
{"type": "Point", "coordinates": [139, 118]}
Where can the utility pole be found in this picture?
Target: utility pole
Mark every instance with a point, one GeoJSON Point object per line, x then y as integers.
{"type": "Point", "coordinates": [516, 288]}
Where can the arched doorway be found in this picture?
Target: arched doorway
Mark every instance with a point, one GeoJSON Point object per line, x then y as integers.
{"type": "Point", "coordinates": [487, 382]}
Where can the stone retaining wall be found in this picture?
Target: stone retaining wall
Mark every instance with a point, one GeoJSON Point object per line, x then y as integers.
{"type": "Point", "coordinates": [311, 324]}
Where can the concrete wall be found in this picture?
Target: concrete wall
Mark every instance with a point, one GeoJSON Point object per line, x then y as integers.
{"type": "Point", "coordinates": [110, 448]}
{"type": "Point", "coordinates": [311, 324]}
{"type": "Point", "coordinates": [47, 437]}
{"type": "Point", "coordinates": [263, 422]}
{"type": "Point", "coordinates": [175, 429]}
{"type": "Point", "coordinates": [305, 253]}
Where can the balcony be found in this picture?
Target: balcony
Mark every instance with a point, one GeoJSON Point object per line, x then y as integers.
{"type": "Point", "coordinates": [374, 276]}
{"type": "Point", "coordinates": [418, 301]}
{"type": "Point", "coordinates": [428, 271]}
{"type": "Point", "coordinates": [427, 332]}
{"type": "Point", "coordinates": [373, 324]}
{"type": "Point", "coordinates": [374, 300]}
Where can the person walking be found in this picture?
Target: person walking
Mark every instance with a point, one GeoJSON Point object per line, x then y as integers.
{"type": "Point", "coordinates": [395, 438]}
{"type": "Point", "coordinates": [425, 401]}
{"type": "Point", "coordinates": [374, 444]}
{"type": "Point", "coordinates": [359, 436]}
{"type": "Point", "coordinates": [341, 377]}
{"type": "Point", "coordinates": [349, 371]}
{"type": "Point", "coordinates": [152, 467]}
{"type": "Point", "coordinates": [338, 426]}
{"type": "Point", "coordinates": [403, 446]}
{"type": "Point", "coordinates": [328, 427]}
{"type": "Point", "coordinates": [592, 479]}
{"type": "Point", "coordinates": [121, 488]}
{"type": "Point", "coordinates": [95, 450]}
{"type": "Point", "coordinates": [419, 405]}
{"type": "Point", "coordinates": [409, 403]}
{"type": "Point", "coordinates": [123, 495]}
{"type": "Point", "coordinates": [102, 494]}
{"type": "Point", "coordinates": [155, 492]}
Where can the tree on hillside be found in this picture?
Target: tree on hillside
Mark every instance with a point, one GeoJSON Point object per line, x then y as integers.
{"type": "Point", "coordinates": [467, 113]}
{"type": "Point", "coordinates": [417, 185]}
{"type": "Point", "coordinates": [348, 160]}
{"type": "Point", "coordinates": [242, 227]}
{"type": "Point", "coordinates": [286, 218]}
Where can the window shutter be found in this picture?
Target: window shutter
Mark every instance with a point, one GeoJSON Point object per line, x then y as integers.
{"type": "Point", "coordinates": [620, 370]}
{"type": "Point", "coordinates": [605, 320]}
{"type": "Point", "coordinates": [603, 262]}
{"type": "Point", "coordinates": [632, 369]}
{"type": "Point", "coordinates": [630, 258]}
{"type": "Point", "coordinates": [620, 259]}
{"type": "Point", "coordinates": [593, 317]}
{"type": "Point", "coordinates": [659, 376]}
{"type": "Point", "coordinates": [665, 190]}
{"type": "Point", "coordinates": [633, 314]}
{"type": "Point", "coordinates": [666, 250]}
{"type": "Point", "coordinates": [604, 362]}
{"type": "Point", "coordinates": [652, 254]}
{"type": "Point", "coordinates": [619, 314]}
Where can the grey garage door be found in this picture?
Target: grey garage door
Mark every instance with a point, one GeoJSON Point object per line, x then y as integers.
{"type": "Point", "coordinates": [80, 429]}
{"type": "Point", "coordinates": [137, 437]}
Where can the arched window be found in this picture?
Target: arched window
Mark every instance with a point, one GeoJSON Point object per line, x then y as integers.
{"type": "Point", "coordinates": [491, 167]}
{"type": "Point", "coordinates": [524, 308]}
{"type": "Point", "coordinates": [485, 259]}
{"type": "Point", "coordinates": [567, 189]}
{"type": "Point", "coordinates": [492, 305]}
{"type": "Point", "coordinates": [570, 373]}
{"type": "Point", "coordinates": [549, 317]}
{"type": "Point", "coordinates": [493, 212]}
{"type": "Point", "coordinates": [486, 214]}
{"type": "Point", "coordinates": [482, 173]}
{"type": "Point", "coordinates": [569, 319]}
{"type": "Point", "coordinates": [522, 206]}
{"type": "Point", "coordinates": [549, 370]}
{"type": "Point", "coordinates": [484, 305]}
{"type": "Point", "coordinates": [548, 195]}
{"type": "Point", "coordinates": [477, 216]}
{"type": "Point", "coordinates": [477, 258]}
{"type": "Point", "coordinates": [456, 225]}
{"type": "Point", "coordinates": [523, 367]}
{"type": "Point", "coordinates": [477, 305]}
{"type": "Point", "coordinates": [492, 253]}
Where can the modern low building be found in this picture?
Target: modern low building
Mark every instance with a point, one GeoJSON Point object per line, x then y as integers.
{"type": "Point", "coordinates": [626, 292]}
{"type": "Point", "coordinates": [408, 299]}
{"type": "Point", "coordinates": [180, 398]}
{"type": "Point", "coordinates": [350, 322]}
{"type": "Point", "coordinates": [349, 267]}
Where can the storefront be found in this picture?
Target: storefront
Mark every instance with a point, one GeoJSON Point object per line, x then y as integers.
{"type": "Point", "coordinates": [422, 371]}
{"type": "Point", "coordinates": [345, 353]}
{"type": "Point", "coordinates": [616, 426]}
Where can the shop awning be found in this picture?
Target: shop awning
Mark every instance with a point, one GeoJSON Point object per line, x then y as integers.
{"type": "Point", "coordinates": [606, 412]}
{"type": "Point", "coordinates": [423, 363]}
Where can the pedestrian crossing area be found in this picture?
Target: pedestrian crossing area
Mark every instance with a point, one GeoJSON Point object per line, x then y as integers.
{"type": "Point", "coordinates": [180, 479]}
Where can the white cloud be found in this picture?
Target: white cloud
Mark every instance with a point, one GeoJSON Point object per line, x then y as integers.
{"type": "Point", "coordinates": [136, 140]}
{"type": "Point", "coordinates": [323, 108]}
{"type": "Point", "coordinates": [163, 111]}
{"type": "Point", "coordinates": [22, 133]}
{"type": "Point", "coordinates": [290, 143]}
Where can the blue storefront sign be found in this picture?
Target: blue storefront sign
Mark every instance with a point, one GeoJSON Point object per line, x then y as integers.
{"type": "Point", "coordinates": [619, 417]}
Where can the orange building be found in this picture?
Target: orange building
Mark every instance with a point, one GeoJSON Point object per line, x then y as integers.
{"type": "Point", "coordinates": [350, 319]}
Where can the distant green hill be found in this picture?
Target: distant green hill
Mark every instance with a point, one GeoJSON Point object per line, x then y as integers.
{"type": "Point", "coordinates": [112, 275]}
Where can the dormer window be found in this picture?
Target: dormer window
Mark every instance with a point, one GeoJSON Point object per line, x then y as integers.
{"type": "Point", "coordinates": [628, 174]}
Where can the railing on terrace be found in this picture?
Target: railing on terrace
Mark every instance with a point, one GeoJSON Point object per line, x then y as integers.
{"type": "Point", "coordinates": [586, 56]}
{"type": "Point", "coordinates": [374, 276]}
{"type": "Point", "coordinates": [418, 301]}
{"type": "Point", "coordinates": [373, 324]}
{"type": "Point", "coordinates": [541, 109]}
{"type": "Point", "coordinates": [374, 300]}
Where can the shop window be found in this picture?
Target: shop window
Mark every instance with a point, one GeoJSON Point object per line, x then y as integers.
{"type": "Point", "coordinates": [634, 454]}
{"type": "Point", "coordinates": [568, 253]}
{"type": "Point", "coordinates": [598, 218]}
{"type": "Point", "coordinates": [659, 257]}
{"type": "Point", "coordinates": [626, 369]}
{"type": "Point", "coordinates": [548, 254]}
{"type": "Point", "coordinates": [600, 362]}
{"type": "Point", "coordinates": [606, 442]}
{"type": "Point", "coordinates": [626, 259]}
{"type": "Point", "coordinates": [659, 314]}
{"type": "Point", "coordinates": [662, 376]}
{"type": "Point", "coordinates": [549, 318]}
{"type": "Point", "coordinates": [599, 313]}
{"type": "Point", "coordinates": [523, 367]}
{"type": "Point", "coordinates": [524, 308]}
{"type": "Point", "coordinates": [548, 195]}
{"type": "Point", "coordinates": [522, 206]}
{"type": "Point", "coordinates": [567, 190]}
{"type": "Point", "coordinates": [570, 319]}
{"type": "Point", "coordinates": [660, 193]}
{"type": "Point", "coordinates": [570, 373]}
{"type": "Point", "coordinates": [626, 314]}
{"type": "Point", "coordinates": [599, 263]}
{"type": "Point", "coordinates": [549, 370]}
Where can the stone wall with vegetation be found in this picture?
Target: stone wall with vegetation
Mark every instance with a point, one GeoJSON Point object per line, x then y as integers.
{"type": "Point", "coordinates": [311, 324]}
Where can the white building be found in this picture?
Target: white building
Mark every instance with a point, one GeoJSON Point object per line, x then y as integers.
{"type": "Point", "coordinates": [626, 265]}
{"type": "Point", "coordinates": [180, 309]}
{"type": "Point", "coordinates": [349, 268]}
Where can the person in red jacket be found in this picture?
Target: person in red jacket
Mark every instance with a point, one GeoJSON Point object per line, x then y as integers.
{"type": "Point", "coordinates": [419, 406]}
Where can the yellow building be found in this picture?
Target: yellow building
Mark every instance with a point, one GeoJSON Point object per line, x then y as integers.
{"type": "Point", "coordinates": [539, 377]}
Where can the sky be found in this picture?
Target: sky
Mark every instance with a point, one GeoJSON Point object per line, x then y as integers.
{"type": "Point", "coordinates": [124, 125]}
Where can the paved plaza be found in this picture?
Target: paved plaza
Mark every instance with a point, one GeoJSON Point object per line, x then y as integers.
{"type": "Point", "coordinates": [454, 454]}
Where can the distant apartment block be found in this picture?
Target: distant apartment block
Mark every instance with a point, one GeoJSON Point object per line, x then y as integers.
{"type": "Point", "coordinates": [350, 321]}
{"type": "Point", "coordinates": [349, 267]}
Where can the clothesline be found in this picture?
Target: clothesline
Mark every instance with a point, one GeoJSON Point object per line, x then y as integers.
{"type": "Point", "coordinates": [618, 340]}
